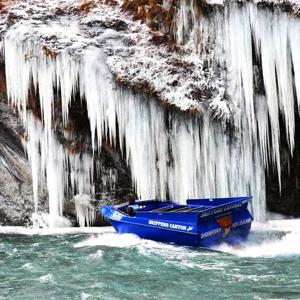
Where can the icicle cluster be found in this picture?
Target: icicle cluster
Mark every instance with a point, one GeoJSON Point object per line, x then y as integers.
{"type": "Point", "coordinates": [251, 43]}
{"type": "Point", "coordinates": [276, 52]}
{"type": "Point", "coordinates": [168, 155]}
{"type": "Point", "coordinates": [55, 167]}
{"type": "Point", "coordinates": [85, 210]}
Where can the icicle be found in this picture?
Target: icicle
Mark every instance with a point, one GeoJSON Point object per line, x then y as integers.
{"type": "Point", "coordinates": [294, 38]}
{"type": "Point", "coordinates": [32, 149]}
{"type": "Point", "coordinates": [85, 210]}
{"type": "Point", "coordinates": [51, 164]}
{"type": "Point", "coordinates": [263, 128]}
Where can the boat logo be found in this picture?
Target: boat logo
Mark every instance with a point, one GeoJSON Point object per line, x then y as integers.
{"type": "Point", "coordinates": [210, 233]}
{"type": "Point", "coordinates": [170, 225]}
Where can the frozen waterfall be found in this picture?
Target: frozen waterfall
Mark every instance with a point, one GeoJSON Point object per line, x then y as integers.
{"type": "Point", "coordinates": [178, 157]}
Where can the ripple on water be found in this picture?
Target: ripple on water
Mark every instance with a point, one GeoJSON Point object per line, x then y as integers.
{"type": "Point", "coordinates": [97, 255]}
{"type": "Point", "coordinates": [84, 296]}
{"type": "Point", "coordinates": [134, 268]}
{"type": "Point", "coordinates": [46, 278]}
{"type": "Point", "coordinates": [27, 266]}
{"type": "Point", "coordinates": [181, 256]}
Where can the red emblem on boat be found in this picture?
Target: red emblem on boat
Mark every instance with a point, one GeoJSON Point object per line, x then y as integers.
{"type": "Point", "coordinates": [225, 222]}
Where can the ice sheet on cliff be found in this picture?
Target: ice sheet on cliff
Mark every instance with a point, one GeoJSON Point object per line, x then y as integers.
{"type": "Point", "coordinates": [167, 153]}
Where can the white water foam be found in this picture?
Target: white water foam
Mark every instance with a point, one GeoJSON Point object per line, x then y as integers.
{"type": "Point", "coordinates": [46, 278]}
{"type": "Point", "coordinates": [84, 296]}
{"type": "Point", "coordinates": [144, 247]}
{"type": "Point", "coordinates": [28, 266]}
{"type": "Point", "coordinates": [111, 240]}
{"type": "Point", "coordinates": [285, 244]}
{"type": "Point", "coordinates": [171, 254]}
{"type": "Point", "coordinates": [97, 255]}
{"type": "Point", "coordinates": [54, 231]}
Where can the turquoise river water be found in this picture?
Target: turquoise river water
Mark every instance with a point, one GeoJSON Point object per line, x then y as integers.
{"type": "Point", "coordinates": [97, 263]}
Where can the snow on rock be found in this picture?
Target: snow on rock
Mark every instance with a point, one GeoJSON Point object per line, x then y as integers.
{"type": "Point", "coordinates": [177, 77]}
{"type": "Point", "coordinates": [291, 6]}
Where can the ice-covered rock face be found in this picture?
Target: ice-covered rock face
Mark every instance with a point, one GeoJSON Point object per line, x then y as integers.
{"type": "Point", "coordinates": [16, 205]}
{"type": "Point", "coordinates": [260, 49]}
{"type": "Point", "coordinates": [59, 52]}
{"type": "Point", "coordinates": [176, 76]}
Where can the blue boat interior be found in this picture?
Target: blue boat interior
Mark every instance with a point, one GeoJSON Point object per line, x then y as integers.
{"type": "Point", "coordinates": [199, 222]}
{"type": "Point", "coordinates": [192, 205]}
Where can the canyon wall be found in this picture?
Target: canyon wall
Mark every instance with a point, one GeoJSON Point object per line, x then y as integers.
{"type": "Point", "coordinates": [172, 99]}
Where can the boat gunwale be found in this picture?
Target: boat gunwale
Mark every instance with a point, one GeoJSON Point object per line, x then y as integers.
{"type": "Point", "coordinates": [152, 226]}
{"type": "Point", "coordinates": [206, 208]}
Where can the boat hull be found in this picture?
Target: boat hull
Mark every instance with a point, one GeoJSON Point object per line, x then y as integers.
{"type": "Point", "coordinates": [198, 223]}
{"type": "Point", "coordinates": [235, 236]}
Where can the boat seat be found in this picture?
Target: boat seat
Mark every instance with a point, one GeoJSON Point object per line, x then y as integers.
{"type": "Point", "coordinates": [181, 209]}
{"type": "Point", "coordinates": [198, 209]}
{"type": "Point", "coordinates": [165, 208]}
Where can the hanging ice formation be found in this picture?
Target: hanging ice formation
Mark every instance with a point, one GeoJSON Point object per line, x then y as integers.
{"type": "Point", "coordinates": [85, 210]}
{"type": "Point", "coordinates": [55, 168]}
{"type": "Point", "coordinates": [276, 50]}
{"type": "Point", "coordinates": [168, 153]}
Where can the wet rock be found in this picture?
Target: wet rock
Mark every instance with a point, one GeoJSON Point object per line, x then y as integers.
{"type": "Point", "coordinates": [116, 24]}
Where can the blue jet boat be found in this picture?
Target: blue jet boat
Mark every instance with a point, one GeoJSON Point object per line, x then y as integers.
{"type": "Point", "coordinates": [198, 223]}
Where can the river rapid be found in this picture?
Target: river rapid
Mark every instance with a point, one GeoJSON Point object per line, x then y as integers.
{"type": "Point", "coordinates": [97, 263]}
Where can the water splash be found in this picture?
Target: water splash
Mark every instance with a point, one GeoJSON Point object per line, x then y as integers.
{"type": "Point", "coordinates": [110, 240]}
{"type": "Point", "coordinates": [284, 246]}
{"type": "Point", "coordinates": [46, 278]}
{"type": "Point", "coordinates": [97, 255]}
{"type": "Point", "coordinates": [271, 239]}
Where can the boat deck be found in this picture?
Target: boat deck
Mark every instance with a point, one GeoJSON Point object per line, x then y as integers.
{"type": "Point", "coordinates": [175, 208]}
